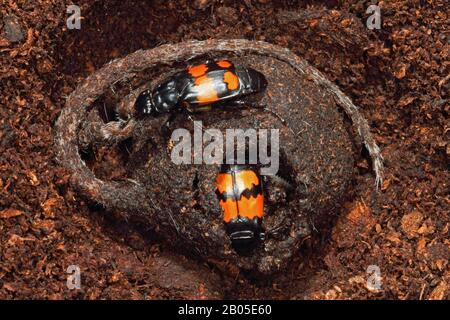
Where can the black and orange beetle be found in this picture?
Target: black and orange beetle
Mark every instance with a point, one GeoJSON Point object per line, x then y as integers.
{"type": "Point", "coordinates": [240, 192]}
{"type": "Point", "coordinates": [199, 86]}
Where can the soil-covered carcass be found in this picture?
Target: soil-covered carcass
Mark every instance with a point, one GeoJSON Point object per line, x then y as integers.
{"type": "Point", "coordinates": [178, 201]}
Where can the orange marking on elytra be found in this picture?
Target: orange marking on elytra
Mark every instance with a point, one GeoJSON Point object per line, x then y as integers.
{"type": "Point", "coordinates": [206, 92]}
{"type": "Point", "coordinates": [230, 210]}
{"type": "Point", "coordinates": [231, 80]}
{"type": "Point", "coordinates": [224, 183]}
{"type": "Point", "coordinates": [224, 64]}
{"type": "Point", "coordinates": [245, 207]}
{"type": "Point", "coordinates": [246, 179]}
{"type": "Point", "coordinates": [197, 71]}
{"type": "Point", "coordinates": [251, 208]}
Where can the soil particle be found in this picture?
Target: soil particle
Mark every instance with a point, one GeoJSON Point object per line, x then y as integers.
{"type": "Point", "coordinates": [411, 223]}
{"type": "Point", "coordinates": [12, 29]}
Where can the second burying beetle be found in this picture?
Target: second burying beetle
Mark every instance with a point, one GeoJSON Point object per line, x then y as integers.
{"type": "Point", "coordinates": [200, 85]}
{"type": "Point", "coordinates": [240, 192]}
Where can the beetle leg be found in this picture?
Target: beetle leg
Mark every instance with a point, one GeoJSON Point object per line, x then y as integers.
{"type": "Point", "coordinates": [188, 114]}
{"type": "Point", "coordinates": [259, 106]}
{"type": "Point", "coordinates": [275, 229]}
{"type": "Point", "coordinates": [278, 180]}
{"type": "Point", "coordinates": [277, 115]}
{"type": "Point", "coordinates": [245, 103]}
{"type": "Point", "coordinates": [196, 125]}
{"type": "Point", "coordinates": [256, 105]}
{"type": "Point", "coordinates": [236, 103]}
{"type": "Point", "coordinates": [165, 128]}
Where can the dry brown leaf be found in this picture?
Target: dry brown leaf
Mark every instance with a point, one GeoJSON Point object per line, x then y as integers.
{"type": "Point", "coordinates": [439, 292]}
{"type": "Point", "coordinates": [49, 206]}
{"type": "Point", "coordinates": [10, 213]}
{"type": "Point", "coordinates": [406, 100]}
{"type": "Point", "coordinates": [411, 223]}
{"type": "Point", "coordinates": [360, 216]}
{"type": "Point", "coordinates": [400, 73]}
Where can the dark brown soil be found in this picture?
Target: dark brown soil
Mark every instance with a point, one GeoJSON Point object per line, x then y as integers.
{"type": "Point", "coordinates": [398, 76]}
